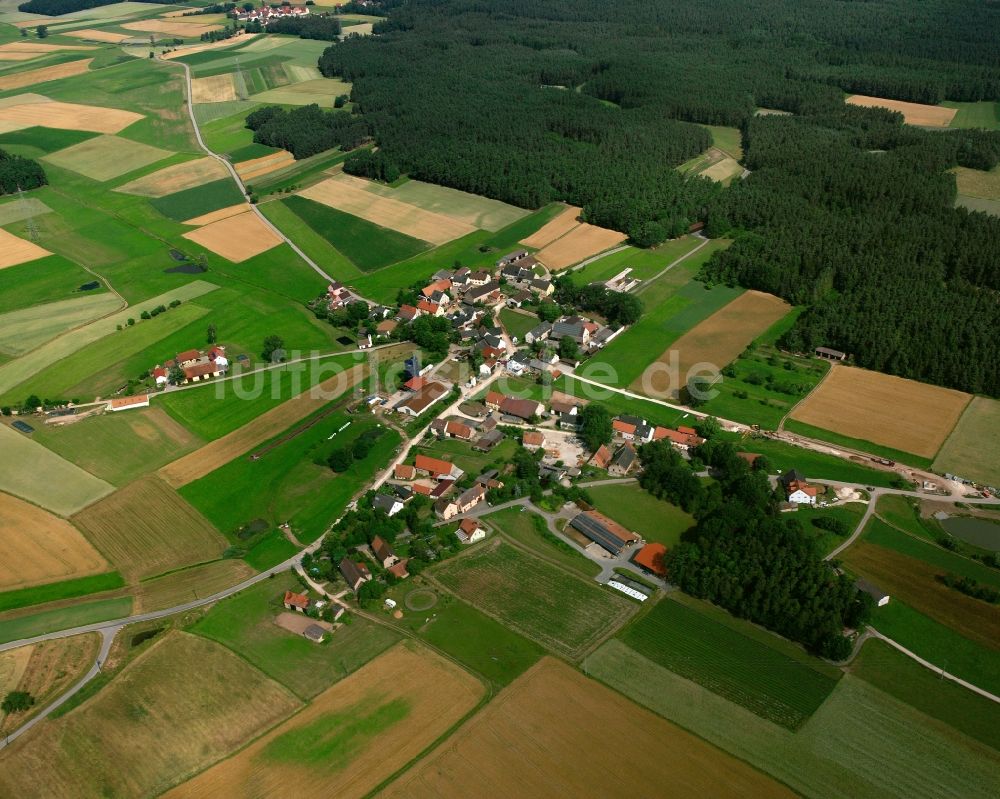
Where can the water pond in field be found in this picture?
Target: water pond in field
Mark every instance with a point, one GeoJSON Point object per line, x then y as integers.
{"type": "Point", "coordinates": [978, 532]}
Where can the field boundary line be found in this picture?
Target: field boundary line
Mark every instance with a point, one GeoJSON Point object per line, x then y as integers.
{"type": "Point", "coordinates": [781, 424]}
{"type": "Point", "coordinates": [668, 267]}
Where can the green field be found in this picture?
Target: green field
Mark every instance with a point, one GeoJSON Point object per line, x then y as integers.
{"type": "Point", "coordinates": [485, 646]}
{"type": "Point", "coordinates": [939, 645]}
{"type": "Point", "coordinates": [520, 525]}
{"type": "Point", "coordinates": [42, 140]}
{"type": "Point", "coordinates": [638, 510]}
{"type": "Point", "coordinates": [67, 589]}
{"type": "Point", "coordinates": [673, 304]}
{"type": "Point", "coordinates": [199, 200]}
{"type": "Point", "coordinates": [849, 513]}
{"type": "Point", "coordinates": [908, 681]}
{"type": "Point", "coordinates": [729, 140]}
{"type": "Point", "coordinates": [559, 610]}
{"type": "Point", "coordinates": [292, 482]}
{"type": "Point", "coordinates": [759, 671]}
{"type": "Point", "coordinates": [643, 263]}
{"type": "Point", "coordinates": [15, 374]}
{"type": "Point", "coordinates": [132, 443]}
{"type": "Point", "coordinates": [984, 114]}
{"type": "Point", "coordinates": [27, 328]}
{"type": "Point", "coordinates": [65, 489]}
{"type": "Point", "coordinates": [49, 279]}
{"type": "Point", "coordinates": [313, 244]}
{"type": "Point", "coordinates": [972, 450]}
{"type": "Point", "coordinates": [270, 550]}
{"type": "Point", "coordinates": [366, 245]}
{"type": "Point", "coordinates": [862, 743]}
{"type": "Point", "coordinates": [516, 323]}
{"type": "Point", "coordinates": [244, 623]}
{"type": "Point", "coordinates": [49, 621]}
{"type": "Point", "coordinates": [106, 157]}
{"type": "Point", "coordinates": [20, 209]}
{"type": "Point", "coordinates": [466, 458]}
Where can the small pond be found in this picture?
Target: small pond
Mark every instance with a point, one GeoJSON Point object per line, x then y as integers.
{"type": "Point", "coordinates": [978, 532]}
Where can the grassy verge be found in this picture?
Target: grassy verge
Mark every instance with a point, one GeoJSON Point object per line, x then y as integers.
{"type": "Point", "coordinates": [67, 589]}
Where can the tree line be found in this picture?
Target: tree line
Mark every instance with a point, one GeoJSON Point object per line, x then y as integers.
{"type": "Point", "coordinates": [55, 8]}
{"type": "Point", "coordinates": [324, 27]}
{"type": "Point", "coordinates": [307, 130]}
{"type": "Point", "coordinates": [17, 172]}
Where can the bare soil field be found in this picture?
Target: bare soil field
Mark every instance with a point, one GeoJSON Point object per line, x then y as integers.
{"type": "Point", "coordinates": [348, 194]}
{"type": "Point", "coordinates": [190, 584]}
{"type": "Point", "coordinates": [44, 478]}
{"type": "Point", "coordinates": [68, 116]}
{"type": "Point", "coordinates": [891, 411]}
{"type": "Point", "coordinates": [93, 35]}
{"type": "Point", "coordinates": [720, 338]}
{"type": "Point", "coordinates": [51, 667]}
{"type": "Point", "coordinates": [44, 74]}
{"type": "Point", "coordinates": [553, 229]}
{"type": "Point", "coordinates": [916, 583]}
{"type": "Point", "coordinates": [146, 528]}
{"type": "Point", "coordinates": [913, 113]}
{"type": "Point", "coordinates": [105, 157]}
{"type": "Point", "coordinates": [266, 426]}
{"type": "Point", "coordinates": [14, 250]}
{"type": "Point", "coordinates": [972, 450]}
{"type": "Point", "coordinates": [170, 28]}
{"type": "Point", "coordinates": [213, 89]}
{"type": "Point", "coordinates": [256, 167]}
{"type": "Point", "coordinates": [548, 734]}
{"type": "Point", "coordinates": [177, 708]}
{"type": "Point", "coordinates": [352, 736]}
{"type": "Point", "coordinates": [581, 242]}
{"type": "Point", "coordinates": [216, 216]}
{"type": "Point", "coordinates": [37, 547]}
{"type": "Point", "coordinates": [236, 238]}
{"type": "Point", "coordinates": [178, 177]}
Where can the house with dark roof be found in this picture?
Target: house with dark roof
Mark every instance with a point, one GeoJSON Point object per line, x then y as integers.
{"type": "Point", "coordinates": [539, 332]}
{"type": "Point", "coordinates": [354, 573]}
{"type": "Point", "coordinates": [388, 504]}
{"type": "Point", "coordinates": [603, 531]}
{"type": "Point", "coordinates": [624, 461]}
{"type": "Point", "coordinates": [314, 633]}
{"type": "Point", "coordinates": [420, 400]}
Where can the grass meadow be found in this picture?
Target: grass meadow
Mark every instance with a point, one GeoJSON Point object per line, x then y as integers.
{"type": "Point", "coordinates": [47, 621]}
{"type": "Point", "coordinates": [194, 202]}
{"type": "Point", "coordinates": [520, 525]}
{"type": "Point", "coordinates": [244, 623]}
{"type": "Point", "coordinates": [65, 589]}
{"type": "Point", "coordinates": [751, 667]}
{"type": "Point", "coordinates": [544, 602]}
{"type": "Point", "coordinates": [644, 264]}
{"type": "Point", "coordinates": [638, 510]}
{"type": "Point", "coordinates": [49, 279]}
{"type": "Point", "coordinates": [972, 450]}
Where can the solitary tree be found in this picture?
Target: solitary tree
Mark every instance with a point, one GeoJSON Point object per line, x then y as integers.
{"type": "Point", "coordinates": [595, 426]}
{"type": "Point", "coordinates": [274, 349]}
{"type": "Point", "coordinates": [176, 375]}
{"type": "Point", "coordinates": [17, 702]}
{"type": "Point", "coordinates": [210, 336]}
{"type": "Point", "coordinates": [42, 31]}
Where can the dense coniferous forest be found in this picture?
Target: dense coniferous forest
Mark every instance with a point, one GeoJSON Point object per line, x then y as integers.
{"type": "Point", "coordinates": [747, 557]}
{"type": "Point", "coordinates": [19, 173]}
{"type": "Point", "coordinates": [846, 210]}
{"type": "Point", "coordinates": [315, 26]}
{"type": "Point", "coordinates": [307, 130]}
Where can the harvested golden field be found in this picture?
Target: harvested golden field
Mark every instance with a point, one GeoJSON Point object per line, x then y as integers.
{"type": "Point", "coordinates": [170, 28]}
{"type": "Point", "coordinates": [198, 48]}
{"type": "Point", "coordinates": [271, 162]}
{"type": "Point", "coordinates": [178, 177]}
{"type": "Point", "coordinates": [352, 736]}
{"type": "Point", "coordinates": [146, 528]}
{"type": "Point", "coordinates": [44, 74]}
{"type": "Point", "coordinates": [553, 229]}
{"type": "Point", "coordinates": [94, 35]}
{"type": "Point", "coordinates": [14, 250]}
{"type": "Point", "coordinates": [188, 585]}
{"type": "Point", "coordinates": [213, 89]}
{"type": "Point", "coordinates": [50, 669]}
{"type": "Point", "coordinates": [176, 709]}
{"type": "Point", "coordinates": [581, 242]}
{"type": "Point", "coordinates": [39, 48]}
{"type": "Point", "coordinates": [891, 411]}
{"type": "Point", "coordinates": [105, 157]}
{"type": "Point", "coordinates": [913, 113]}
{"type": "Point", "coordinates": [723, 170]}
{"type": "Point", "coordinates": [68, 116]}
{"type": "Point", "coordinates": [38, 547]}
{"type": "Point", "coordinates": [236, 238]}
{"type": "Point", "coordinates": [916, 583]}
{"type": "Point", "coordinates": [549, 733]}
{"type": "Point", "coordinates": [266, 426]}
{"type": "Point", "coordinates": [344, 193]}
{"type": "Point", "coordinates": [17, 56]}
{"type": "Point", "coordinates": [719, 339]}
{"type": "Point", "coordinates": [215, 216]}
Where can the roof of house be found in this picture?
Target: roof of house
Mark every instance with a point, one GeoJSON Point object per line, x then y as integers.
{"type": "Point", "coordinates": [494, 398]}
{"type": "Point", "coordinates": [384, 502]}
{"type": "Point", "coordinates": [442, 488]}
{"type": "Point", "coordinates": [562, 406]}
{"type": "Point", "coordinates": [468, 525]}
{"type": "Point", "coordinates": [472, 495]}
{"type": "Point", "coordinates": [427, 307]}
{"type": "Point", "coordinates": [602, 458]}
{"type": "Point", "coordinates": [437, 285]}
{"type": "Point", "coordinates": [125, 402]}
{"type": "Point", "coordinates": [421, 400]}
{"type": "Point", "coordinates": [602, 530]}
{"type": "Point", "coordinates": [678, 436]}
{"type": "Point", "coordinates": [407, 312]}
{"type": "Point", "coordinates": [792, 476]}
{"type": "Point", "coordinates": [296, 600]}
{"type": "Point", "coordinates": [443, 504]}
{"type": "Point", "coordinates": [522, 408]}
{"type": "Point", "coordinates": [386, 326]}
{"type": "Point", "coordinates": [381, 549]}
{"type": "Point", "coordinates": [830, 352]}
{"type": "Point", "coordinates": [414, 383]}
{"type": "Point", "coordinates": [532, 438]}
{"type": "Point", "coordinates": [399, 569]}
{"type": "Point", "coordinates": [188, 355]}
{"type": "Point", "coordinates": [200, 370]}
{"type": "Point", "coordinates": [805, 488]}
{"type": "Point", "coordinates": [625, 457]}
{"type": "Point", "coordinates": [435, 466]}
{"type": "Point", "coordinates": [405, 471]}
{"type": "Point", "coordinates": [422, 488]}
{"type": "Point", "coordinates": [651, 557]}
{"type": "Point", "coordinates": [458, 430]}
{"type": "Point", "coordinates": [623, 427]}
{"type": "Point", "coordinates": [353, 571]}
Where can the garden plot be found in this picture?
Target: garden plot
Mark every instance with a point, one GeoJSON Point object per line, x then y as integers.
{"type": "Point", "coordinates": [37, 547]}
{"type": "Point", "coordinates": [106, 157]}
{"type": "Point", "coordinates": [67, 70]}
{"type": "Point", "coordinates": [175, 178]}
{"type": "Point", "coordinates": [236, 238]}
{"type": "Point", "coordinates": [14, 250]}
